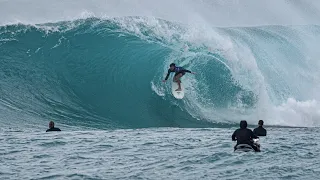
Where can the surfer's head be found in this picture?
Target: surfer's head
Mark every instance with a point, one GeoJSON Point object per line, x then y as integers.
{"type": "Point", "coordinates": [51, 124]}
{"type": "Point", "coordinates": [172, 66]}
{"type": "Point", "coordinates": [243, 124]}
{"type": "Point", "coordinates": [260, 123]}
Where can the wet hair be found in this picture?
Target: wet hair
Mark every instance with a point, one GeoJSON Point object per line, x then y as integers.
{"type": "Point", "coordinates": [51, 124]}
{"type": "Point", "coordinates": [243, 124]}
{"type": "Point", "coordinates": [172, 64]}
{"type": "Point", "coordinates": [260, 122]}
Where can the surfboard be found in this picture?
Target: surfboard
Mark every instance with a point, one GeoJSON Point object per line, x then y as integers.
{"type": "Point", "coordinates": [177, 94]}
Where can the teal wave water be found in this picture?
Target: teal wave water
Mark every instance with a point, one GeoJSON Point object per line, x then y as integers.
{"type": "Point", "coordinates": [106, 73]}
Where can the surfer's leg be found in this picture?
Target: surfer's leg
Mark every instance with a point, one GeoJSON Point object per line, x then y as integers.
{"type": "Point", "coordinates": [177, 80]}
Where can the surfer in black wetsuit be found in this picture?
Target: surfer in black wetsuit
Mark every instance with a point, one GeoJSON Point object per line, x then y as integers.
{"type": "Point", "coordinates": [179, 72]}
{"type": "Point", "coordinates": [51, 127]}
{"type": "Point", "coordinates": [260, 131]}
{"type": "Point", "coordinates": [244, 136]}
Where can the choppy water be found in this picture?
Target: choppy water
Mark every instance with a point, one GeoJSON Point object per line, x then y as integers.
{"type": "Point", "coordinates": [158, 153]}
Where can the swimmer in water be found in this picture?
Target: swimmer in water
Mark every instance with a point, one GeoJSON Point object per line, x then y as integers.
{"type": "Point", "coordinates": [260, 131]}
{"type": "Point", "coordinates": [51, 127]}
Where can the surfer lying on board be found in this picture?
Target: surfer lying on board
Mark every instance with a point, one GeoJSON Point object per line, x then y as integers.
{"type": "Point", "coordinates": [179, 72]}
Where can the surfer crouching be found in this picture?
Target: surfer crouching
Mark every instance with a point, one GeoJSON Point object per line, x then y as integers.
{"type": "Point", "coordinates": [179, 72]}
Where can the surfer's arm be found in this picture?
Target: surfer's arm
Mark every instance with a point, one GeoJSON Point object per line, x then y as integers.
{"type": "Point", "coordinates": [167, 76]}
{"type": "Point", "coordinates": [185, 70]}
{"type": "Point", "coordinates": [234, 136]}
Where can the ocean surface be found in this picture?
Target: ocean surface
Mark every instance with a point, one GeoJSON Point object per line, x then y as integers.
{"type": "Point", "coordinates": [95, 69]}
{"type": "Point", "coordinates": [158, 153]}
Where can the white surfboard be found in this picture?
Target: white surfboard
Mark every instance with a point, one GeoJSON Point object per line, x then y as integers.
{"type": "Point", "coordinates": [177, 94]}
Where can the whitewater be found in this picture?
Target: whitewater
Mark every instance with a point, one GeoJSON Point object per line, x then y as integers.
{"type": "Point", "coordinates": [96, 68]}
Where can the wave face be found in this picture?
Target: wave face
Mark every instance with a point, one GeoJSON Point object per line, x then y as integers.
{"type": "Point", "coordinates": [107, 72]}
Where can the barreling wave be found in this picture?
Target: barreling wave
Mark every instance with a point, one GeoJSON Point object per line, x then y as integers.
{"type": "Point", "coordinates": [106, 73]}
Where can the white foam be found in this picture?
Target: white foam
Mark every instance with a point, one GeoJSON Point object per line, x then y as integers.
{"type": "Point", "coordinates": [159, 90]}
{"type": "Point", "coordinates": [296, 113]}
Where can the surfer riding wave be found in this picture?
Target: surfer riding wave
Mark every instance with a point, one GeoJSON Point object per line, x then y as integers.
{"type": "Point", "coordinates": [179, 72]}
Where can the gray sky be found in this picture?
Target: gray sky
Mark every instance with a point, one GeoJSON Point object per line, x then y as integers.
{"type": "Point", "coordinates": [213, 12]}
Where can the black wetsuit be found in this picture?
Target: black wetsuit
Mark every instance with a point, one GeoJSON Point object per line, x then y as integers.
{"type": "Point", "coordinates": [244, 136]}
{"type": "Point", "coordinates": [260, 131]}
{"type": "Point", "coordinates": [53, 129]}
{"type": "Point", "coordinates": [177, 71]}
